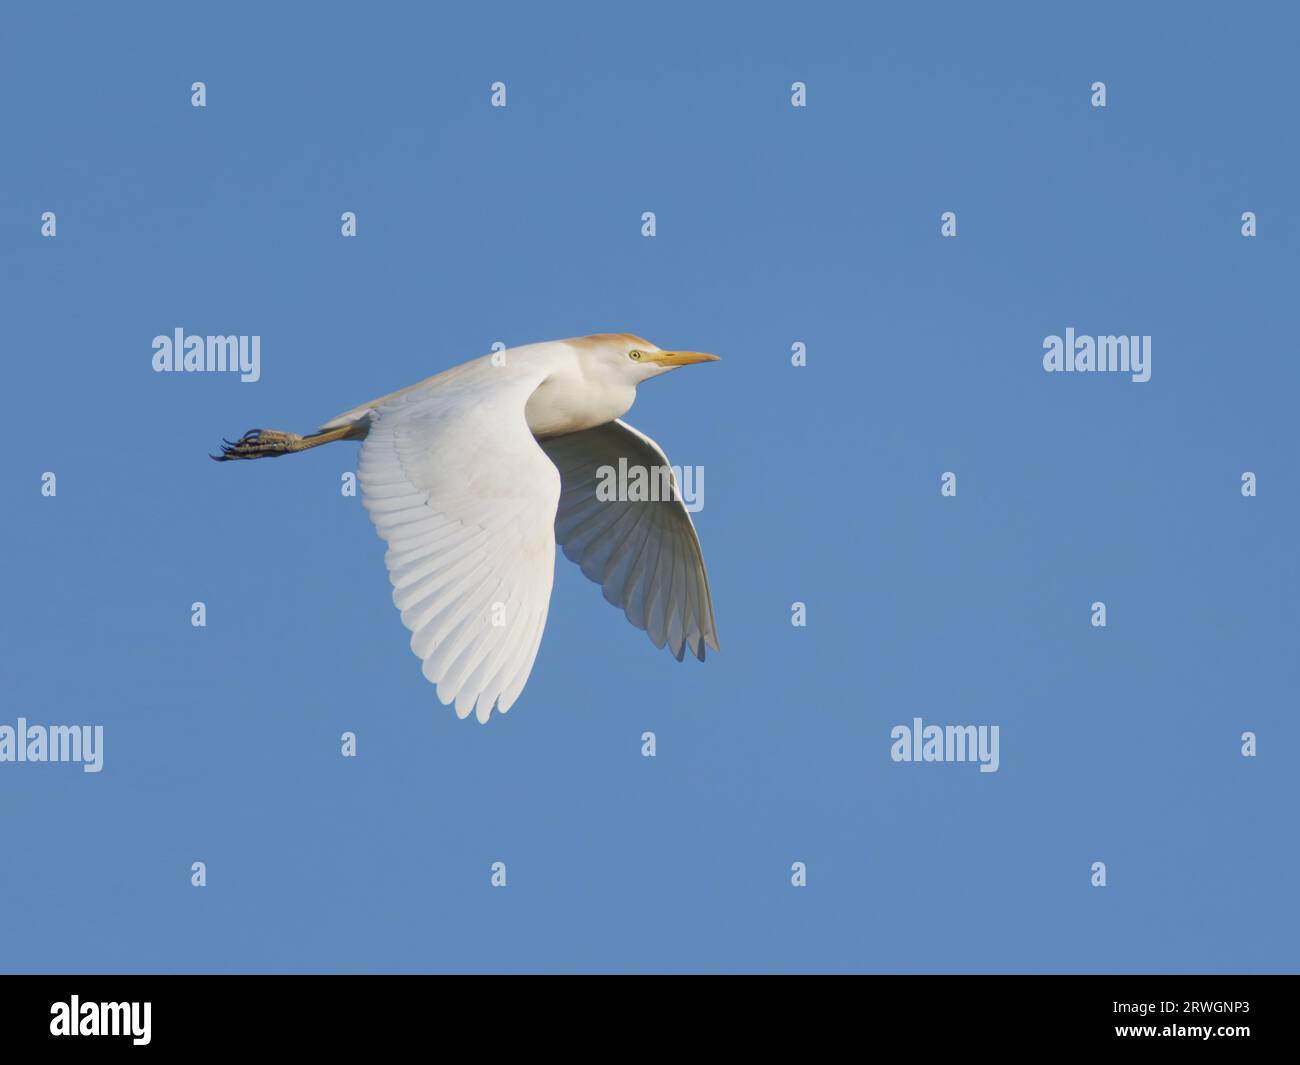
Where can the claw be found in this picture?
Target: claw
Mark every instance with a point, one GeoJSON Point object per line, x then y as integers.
{"type": "Point", "coordinates": [268, 443]}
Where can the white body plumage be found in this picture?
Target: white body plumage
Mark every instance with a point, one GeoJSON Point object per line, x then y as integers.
{"type": "Point", "coordinates": [473, 475]}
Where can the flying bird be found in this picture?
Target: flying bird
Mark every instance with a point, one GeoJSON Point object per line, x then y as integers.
{"type": "Point", "coordinates": [473, 475]}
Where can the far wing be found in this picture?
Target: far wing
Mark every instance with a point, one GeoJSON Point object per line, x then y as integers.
{"type": "Point", "coordinates": [457, 486]}
{"type": "Point", "coordinates": [645, 555]}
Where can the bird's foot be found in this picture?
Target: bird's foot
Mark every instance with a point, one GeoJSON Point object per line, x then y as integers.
{"type": "Point", "coordinates": [259, 444]}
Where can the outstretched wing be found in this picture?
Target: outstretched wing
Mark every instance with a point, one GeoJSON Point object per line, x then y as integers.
{"type": "Point", "coordinates": [466, 500]}
{"type": "Point", "coordinates": [644, 554]}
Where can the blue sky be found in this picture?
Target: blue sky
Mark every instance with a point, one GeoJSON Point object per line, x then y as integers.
{"type": "Point", "coordinates": [775, 225]}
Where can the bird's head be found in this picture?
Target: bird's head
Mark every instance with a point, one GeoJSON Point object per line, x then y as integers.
{"type": "Point", "coordinates": [632, 358]}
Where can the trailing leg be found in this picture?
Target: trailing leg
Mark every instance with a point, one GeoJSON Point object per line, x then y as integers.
{"type": "Point", "coordinates": [272, 443]}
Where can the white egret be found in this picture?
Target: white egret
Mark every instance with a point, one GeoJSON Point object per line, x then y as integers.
{"type": "Point", "coordinates": [473, 475]}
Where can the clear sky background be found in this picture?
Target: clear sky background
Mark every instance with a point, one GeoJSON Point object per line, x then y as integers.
{"type": "Point", "coordinates": [775, 225]}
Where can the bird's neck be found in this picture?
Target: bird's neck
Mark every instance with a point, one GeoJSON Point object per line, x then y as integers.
{"type": "Point", "coordinates": [568, 403]}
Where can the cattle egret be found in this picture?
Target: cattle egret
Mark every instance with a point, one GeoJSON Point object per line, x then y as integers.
{"type": "Point", "coordinates": [473, 475]}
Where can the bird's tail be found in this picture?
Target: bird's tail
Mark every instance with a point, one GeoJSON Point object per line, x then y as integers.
{"type": "Point", "coordinates": [272, 443]}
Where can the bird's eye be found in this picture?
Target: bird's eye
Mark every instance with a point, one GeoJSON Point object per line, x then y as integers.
{"type": "Point", "coordinates": [634, 354]}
